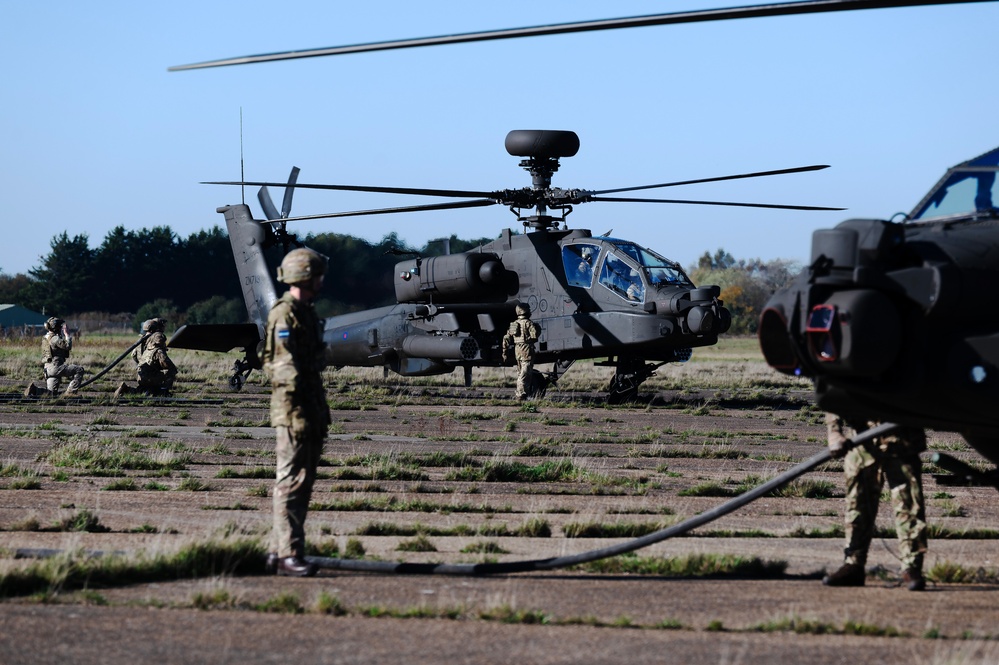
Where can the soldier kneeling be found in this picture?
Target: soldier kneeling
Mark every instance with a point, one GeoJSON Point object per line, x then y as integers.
{"type": "Point", "coordinates": [56, 345]}
{"type": "Point", "coordinates": [154, 369]}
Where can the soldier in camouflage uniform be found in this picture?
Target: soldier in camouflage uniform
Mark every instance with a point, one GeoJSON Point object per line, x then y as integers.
{"type": "Point", "coordinates": [895, 457]}
{"type": "Point", "coordinates": [293, 360]}
{"type": "Point", "coordinates": [154, 369]}
{"type": "Point", "coordinates": [56, 345]}
{"type": "Point", "coordinates": [521, 337]}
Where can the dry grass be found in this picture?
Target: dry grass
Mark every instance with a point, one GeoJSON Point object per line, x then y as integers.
{"type": "Point", "coordinates": [732, 364]}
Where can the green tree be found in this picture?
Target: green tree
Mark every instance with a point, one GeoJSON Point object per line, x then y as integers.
{"type": "Point", "coordinates": [159, 308]}
{"type": "Point", "coordinates": [436, 246]}
{"type": "Point", "coordinates": [745, 285]}
{"type": "Point", "coordinates": [204, 267]}
{"type": "Point", "coordinates": [13, 288]}
{"type": "Point", "coordinates": [721, 260]}
{"type": "Point", "coordinates": [65, 281]}
{"type": "Point", "coordinates": [135, 267]}
{"type": "Point", "coordinates": [217, 309]}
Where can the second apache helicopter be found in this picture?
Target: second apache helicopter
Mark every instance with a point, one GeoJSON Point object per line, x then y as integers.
{"type": "Point", "coordinates": [592, 296]}
{"type": "Point", "coordinates": [896, 320]}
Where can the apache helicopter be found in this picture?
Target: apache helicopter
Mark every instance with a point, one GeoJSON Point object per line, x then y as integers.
{"type": "Point", "coordinates": [896, 320]}
{"type": "Point", "coordinates": [592, 296]}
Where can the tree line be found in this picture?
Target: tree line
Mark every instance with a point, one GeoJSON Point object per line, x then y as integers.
{"type": "Point", "coordinates": [746, 285]}
{"type": "Point", "coordinates": [156, 272]}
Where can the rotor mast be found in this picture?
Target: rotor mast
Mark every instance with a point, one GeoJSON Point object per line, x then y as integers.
{"type": "Point", "coordinates": [542, 148]}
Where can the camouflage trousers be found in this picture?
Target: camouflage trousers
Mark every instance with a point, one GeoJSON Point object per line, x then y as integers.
{"type": "Point", "coordinates": [298, 456]}
{"type": "Point", "coordinates": [865, 476]}
{"type": "Point", "coordinates": [152, 379]}
{"type": "Point", "coordinates": [524, 367]}
{"type": "Point", "coordinates": [54, 374]}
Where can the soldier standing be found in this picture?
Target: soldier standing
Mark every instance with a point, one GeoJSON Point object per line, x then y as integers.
{"type": "Point", "coordinates": [521, 337]}
{"type": "Point", "coordinates": [56, 345]}
{"type": "Point", "coordinates": [293, 360]}
{"type": "Point", "coordinates": [895, 457]}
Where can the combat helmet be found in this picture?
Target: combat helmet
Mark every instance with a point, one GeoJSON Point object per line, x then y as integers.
{"type": "Point", "coordinates": [153, 325]}
{"type": "Point", "coordinates": [54, 324]}
{"type": "Point", "coordinates": [523, 310]}
{"type": "Point", "coordinates": [301, 265]}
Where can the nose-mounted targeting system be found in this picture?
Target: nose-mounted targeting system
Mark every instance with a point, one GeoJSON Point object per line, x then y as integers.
{"type": "Point", "coordinates": [898, 321]}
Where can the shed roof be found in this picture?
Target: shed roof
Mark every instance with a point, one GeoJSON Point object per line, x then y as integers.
{"type": "Point", "coordinates": [15, 315]}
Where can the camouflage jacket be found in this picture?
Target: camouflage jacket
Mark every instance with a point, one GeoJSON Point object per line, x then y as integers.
{"type": "Point", "coordinates": [151, 353]}
{"type": "Point", "coordinates": [521, 336]}
{"type": "Point", "coordinates": [293, 360]}
{"type": "Point", "coordinates": [55, 348]}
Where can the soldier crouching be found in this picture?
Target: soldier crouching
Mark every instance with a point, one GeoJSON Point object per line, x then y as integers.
{"type": "Point", "coordinates": [154, 370]}
{"type": "Point", "coordinates": [56, 346]}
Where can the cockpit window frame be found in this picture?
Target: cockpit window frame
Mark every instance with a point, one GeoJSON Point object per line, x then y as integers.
{"type": "Point", "coordinates": [651, 263]}
{"type": "Point", "coordinates": [984, 199]}
{"type": "Point", "coordinates": [625, 282]}
{"type": "Point", "coordinates": [574, 263]}
{"type": "Point", "coordinates": [977, 205]}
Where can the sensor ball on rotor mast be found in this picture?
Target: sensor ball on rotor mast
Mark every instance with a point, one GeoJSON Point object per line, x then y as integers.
{"type": "Point", "coordinates": [543, 148]}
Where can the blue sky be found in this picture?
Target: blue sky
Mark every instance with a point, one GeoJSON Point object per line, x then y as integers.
{"type": "Point", "coordinates": [96, 133]}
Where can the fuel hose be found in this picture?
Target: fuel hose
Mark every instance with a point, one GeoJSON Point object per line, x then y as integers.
{"type": "Point", "coordinates": [475, 569]}
{"type": "Point", "coordinates": [404, 568]}
{"type": "Point", "coordinates": [114, 362]}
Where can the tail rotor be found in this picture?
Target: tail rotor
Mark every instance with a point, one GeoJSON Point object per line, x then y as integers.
{"type": "Point", "coordinates": [271, 212]}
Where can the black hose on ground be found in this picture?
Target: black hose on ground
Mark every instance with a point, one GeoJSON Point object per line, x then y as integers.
{"type": "Point", "coordinates": [469, 569]}
{"type": "Point", "coordinates": [114, 362]}
{"type": "Point", "coordinates": [402, 568]}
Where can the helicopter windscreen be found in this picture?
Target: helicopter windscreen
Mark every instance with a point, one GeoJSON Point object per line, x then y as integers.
{"type": "Point", "coordinates": [969, 189]}
{"type": "Point", "coordinates": [963, 193]}
{"type": "Point", "coordinates": [659, 271]}
{"type": "Point", "coordinates": [579, 261]}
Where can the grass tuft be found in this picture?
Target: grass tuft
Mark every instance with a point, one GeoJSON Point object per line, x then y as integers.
{"type": "Point", "coordinates": [76, 570]}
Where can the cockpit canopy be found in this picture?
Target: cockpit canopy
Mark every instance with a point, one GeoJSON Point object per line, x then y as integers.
{"type": "Point", "coordinates": [970, 189]}
{"type": "Point", "coordinates": [624, 268]}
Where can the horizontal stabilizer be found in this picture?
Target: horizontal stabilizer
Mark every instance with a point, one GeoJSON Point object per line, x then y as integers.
{"type": "Point", "coordinates": [219, 337]}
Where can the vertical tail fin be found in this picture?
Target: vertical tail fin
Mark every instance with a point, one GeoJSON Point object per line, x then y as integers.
{"type": "Point", "coordinates": [249, 238]}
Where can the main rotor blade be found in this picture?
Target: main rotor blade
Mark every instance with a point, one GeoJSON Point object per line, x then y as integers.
{"type": "Point", "coordinates": [289, 191]}
{"type": "Point", "coordinates": [696, 16]}
{"type": "Point", "coordinates": [479, 203]}
{"type": "Point", "coordinates": [758, 174]}
{"type": "Point", "coordinates": [616, 199]}
{"type": "Point", "coordinates": [456, 193]}
{"type": "Point", "coordinates": [264, 196]}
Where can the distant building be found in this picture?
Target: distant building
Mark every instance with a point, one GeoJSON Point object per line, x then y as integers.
{"type": "Point", "coordinates": [16, 318]}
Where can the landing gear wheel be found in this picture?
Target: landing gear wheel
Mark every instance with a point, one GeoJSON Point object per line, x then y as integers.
{"type": "Point", "coordinates": [537, 385]}
{"type": "Point", "coordinates": [623, 388]}
{"type": "Point", "coordinates": [240, 371]}
{"type": "Point", "coordinates": [627, 378]}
